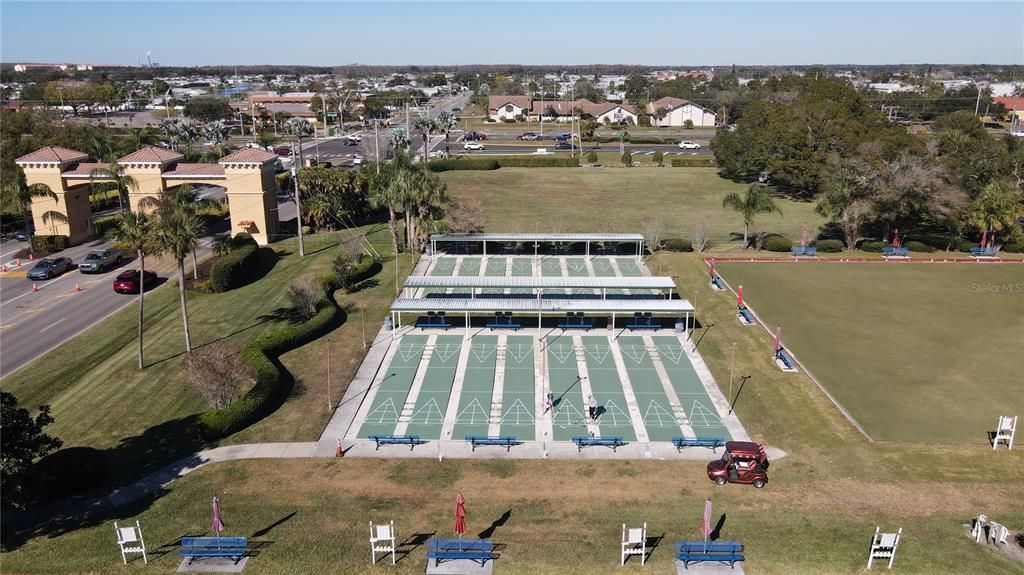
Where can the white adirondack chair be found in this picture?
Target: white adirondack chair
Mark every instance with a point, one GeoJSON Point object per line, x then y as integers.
{"type": "Point", "coordinates": [883, 546]}
{"type": "Point", "coordinates": [998, 533]}
{"type": "Point", "coordinates": [382, 540]}
{"type": "Point", "coordinates": [634, 542]}
{"type": "Point", "coordinates": [129, 539]}
{"type": "Point", "coordinates": [1005, 431]}
{"type": "Point", "coordinates": [978, 528]}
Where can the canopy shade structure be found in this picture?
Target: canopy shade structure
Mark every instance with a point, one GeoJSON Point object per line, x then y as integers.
{"type": "Point", "coordinates": [490, 305]}
{"type": "Point", "coordinates": [546, 282]}
{"type": "Point", "coordinates": [537, 239]}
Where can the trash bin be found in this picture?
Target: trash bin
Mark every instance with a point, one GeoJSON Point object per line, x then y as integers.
{"type": "Point", "coordinates": [388, 326]}
{"type": "Point", "coordinates": [680, 327]}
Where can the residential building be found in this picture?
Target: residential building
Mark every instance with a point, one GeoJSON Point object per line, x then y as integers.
{"type": "Point", "coordinates": [1014, 106]}
{"type": "Point", "coordinates": [678, 111]}
{"type": "Point", "coordinates": [500, 107]}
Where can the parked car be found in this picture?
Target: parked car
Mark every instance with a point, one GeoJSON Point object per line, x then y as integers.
{"type": "Point", "coordinates": [456, 109]}
{"type": "Point", "coordinates": [285, 151]}
{"type": "Point", "coordinates": [688, 145]}
{"type": "Point", "coordinates": [473, 146]}
{"type": "Point", "coordinates": [564, 137]}
{"type": "Point", "coordinates": [23, 235]}
{"type": "Point", "coordinates": [99, 260]}
{"type": "Point", "coordinates": [528, 136]}
{"type": "Point", "coordinates": [564, 146]}
{"type": "Point", "coordinates": [49, 268]}
{"type": "Point", "coordinates": [349, 141]}
{"type": "Point", "coordinates": [743, 462]}
{"type": "Point", "coordinates": [128, 281]}
{"type": "Point", "coordinates": [1018, 134]}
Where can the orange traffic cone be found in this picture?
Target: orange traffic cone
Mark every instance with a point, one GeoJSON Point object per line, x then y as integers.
{"type": "Point", "coordinates": [31, 257]}
{"type": "Point", "coordinates": [77, 287]}
{"type": "Point", "coordinates": [4, 268]}
{"type": "Point", "coordinates": [35, 287]}
{"type": "Point", "coordinates": [338, 452]}
{"type": "Point", "coordinates": [17, 263]}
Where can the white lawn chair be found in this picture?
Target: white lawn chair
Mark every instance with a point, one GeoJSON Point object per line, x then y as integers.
{"type": "Point", "coordinates": [978, 528]}
{"type": "Point", "coordinates": [1005, 431]}
{"type": "Point", "coordinates": [634, 542]}
{"type": "Point", "coordinates": [382, 540]}
{"type": "Point", "coordinates": [883, 546]}
{"type": "Point", "coordinates": [997, 533]}
{"type": "Point", "coordinates": [129, 539]}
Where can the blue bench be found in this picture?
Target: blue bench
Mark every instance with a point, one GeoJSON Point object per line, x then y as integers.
{"type": "Point", "coordinates": [716, 282]}
{"type": "Point", "coordinates": [747, 316]}
{"type": "Point", "coordinates": [450, 549]}
{"type": "Point", "coordinates": [410, 440]}
{"type": "Point", "coordinates": [504, 321]}
{"type": "Point", "coordinates": [587, 441]}
{"type": "Point", "coordinates": [432, 319]}
{"type": "Point", "coordinates": [575, 321]}
{"type": "Point", "coordinates": [711, 442]}
{"type": "Point", "coordinates": [717, 551]}
{"type": "Point", "coordinates": [232, 547]}
{"type": "Point", "coordinates": [785, 359]}
{"type": "Point", "coordinates": [984, 252]}
{"type": "Point", "coordinates": [643, 321]}
{"type": "Point", "coordinates": [895, 252]}
{"type": "Point", "coordinates": [507, 441]}
{"type": "Point", "coordinates": [801, 251]}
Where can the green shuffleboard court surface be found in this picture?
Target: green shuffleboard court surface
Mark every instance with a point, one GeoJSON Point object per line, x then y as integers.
{"type": "Point", "coordinates": [518, 401]}
{"type": "Point", "coordinates": [382, 417]}
{"type": "Point", "coordinates": [570, 412]}
{"type": "Point", "coordinates": [473, 413]}
{"type": "Point", "coordinates": [429, 412]}
{"type": "Point", "coordinates": [613, 412]}
{"type": "Point", "coordinates": [700, 411]}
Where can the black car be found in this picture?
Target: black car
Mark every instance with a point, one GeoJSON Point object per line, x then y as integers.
{"type": "Point", "coordinates": [22, 235]}
{"type": "Point", "coordinates": [564, 146]}
{"type": "Point", "coordinates": [349, 142]}
{"type": "Point", "coordinates": [49, 268]}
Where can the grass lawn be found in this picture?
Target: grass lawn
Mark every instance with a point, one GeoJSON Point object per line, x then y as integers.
{"type": "Point", "coordinates": [915, 352]}
{"type": "Point", "coordinates": [617, 199]}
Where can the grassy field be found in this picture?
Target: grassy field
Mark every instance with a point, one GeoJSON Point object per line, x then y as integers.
{"type": "Point", "coordinates": [563, 517]}
{"type": "Point", "coordinates": [617, 199]}
{"type": "Point", "coordinates": [914, 352]}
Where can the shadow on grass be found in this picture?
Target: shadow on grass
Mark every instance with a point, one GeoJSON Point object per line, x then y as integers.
{"type": "Point", "coordinates": [405, 548]}
{"type": "Point", "coordinates": [499, 522]}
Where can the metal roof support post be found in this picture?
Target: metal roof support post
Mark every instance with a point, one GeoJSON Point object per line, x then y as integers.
{"type": "Point", "coordinates": [485, 249]}
{"type": "Point", "coordinates": [588, 248]}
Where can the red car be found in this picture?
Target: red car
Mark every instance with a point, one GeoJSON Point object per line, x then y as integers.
{"type": "Point", "coordinates": [743, 462]}
{"type": "Point", "coordinates": [474, 136]}
{"type": "Point", "coordinates": [528, 136]}
{"type": "Point", "coordinates": [128, 281]}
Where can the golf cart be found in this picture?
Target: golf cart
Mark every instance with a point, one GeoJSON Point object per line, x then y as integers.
{"type": "Point", "coordinates": [743, 462]}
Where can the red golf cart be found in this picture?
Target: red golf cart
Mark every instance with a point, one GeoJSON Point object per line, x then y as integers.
{"type": "Point", "coordinates": [743, 462]}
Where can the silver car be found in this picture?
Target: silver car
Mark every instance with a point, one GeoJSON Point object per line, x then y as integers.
{"type": "Point", "coordinates": [99, 260]}
{"type": "Point", "coordinates": [49, 268]}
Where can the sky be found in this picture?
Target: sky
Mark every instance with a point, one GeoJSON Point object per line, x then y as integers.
{"type": "Point", "coordinates": [195, 33]}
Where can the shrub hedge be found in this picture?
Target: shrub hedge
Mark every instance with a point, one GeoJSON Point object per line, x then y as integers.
{"type": "Point", "coordinates": [829, 246]}
{"type": "Point", "coordinates": [694, 162]}
{"type": "Point", "coordinates": [237, 267]}
{"type": "Point", "coordinates": [919, 247]}
{"type": "Point", "coordinates": [103, 226]}
{"type": "Point", "coordinates": [463, 164]}
{"type": "Point", "coordinates": [50, 244]}
{"type": "Point", "coordinates": [872, 246]}
{"type": "Point", "coordinates": [504, 162]}
{"type": "Point", "coordinates": [678, 245]}
{"type": "Point", "coordinates": [778, 244]}
{"type": "Point", "coordinates": [1014, 248]}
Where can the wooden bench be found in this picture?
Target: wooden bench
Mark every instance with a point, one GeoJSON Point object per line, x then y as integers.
{"type": "Point", "coordinates": [717, 551]}
{"type": "Point", "coordinates": [232, 547]}
{"type": "Point", "coordinates": [410, 440]}
{"type": "Point", "coordinates": [711, 442]}
{"type": "Point", "coordinates": [450, 549]}
{"type": "Point", "coordinates": [506, 441]}
{"type": "Point", "coordinates": [587, 441]}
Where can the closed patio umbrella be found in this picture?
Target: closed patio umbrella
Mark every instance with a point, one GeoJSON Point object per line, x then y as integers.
{"type": "Point", "coordinates": [705, 522]}
{"type": "Point", "coordinates": [711, 269]}
{"type": "Point", "coordinates": [896, 239]}
{"type": "Point", "coordinates": [739, 297]}
{"type": "Point", "coordinates": [805, 238]}
{"type": "Point", "coordinates": [460, 515]}
{"type": "Point", "coordinates": [778, 340]}
{"type": "Point", "coordinates": [984, 238]}
{"type": "Point", "coordinates": [218, 522]}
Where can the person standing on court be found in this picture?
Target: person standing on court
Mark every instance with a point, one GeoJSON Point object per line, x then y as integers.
{"type": "Point", "coordinates": [592, 404]}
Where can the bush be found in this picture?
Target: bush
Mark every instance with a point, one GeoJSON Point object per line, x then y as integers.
{"type": "Point", "coordinates": [1014, 248]}
{"type": "Point", "coordinates": [778, 244]}
{"type": "Point", "coordinates": [968, 246]}
{"type": "Point", "coordinates": [103, 226]}
{"type": "Point", "coordinates": [829, 246]}
{"type": "Point", "coordinates": [538, 162]}
{"type": "Point", "coordinates": [873, 246]}
{"type": "Point", "coordinates": [688, 125]}
{"type": "Point", "coordinates": [659, 158]}
{"type": "Point", "coordinates": [627, 158]}
{"type": "Point", "coordinates": [50, 244]}
{"type": "Point", "coordinates": [592, 157]}
{"type": "Point", "coordinates": [678, 245]}
{"type": "Point", "coordinates": [919, 247]}
{"type": "Point", "coordinates": [70, 471]}
{"type": "Point", "coordinates": [238, 267]}
{"type": "Point", "coordinates": [694, 162]}
{"type": "Point", "coordinates": [462, 164]}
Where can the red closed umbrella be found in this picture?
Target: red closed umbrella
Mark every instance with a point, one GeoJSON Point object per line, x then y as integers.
{"type": "Point", "coordinates": [984, 238]}
{"type": "Point", "coordinates": [705, 523]}
{"type": "Point", "coordinates": [460, 515]}
{"type": "Point", "coordinates": [778, 340]}
{"type": "Point", "coordinates": [711, 269]}
{"type": "Point", "coordinates": [805, 238]}
{"type": "Point", "coordinates": [218, 522]}
{"type": "Point", "coordinates": [896, 239]}
{"type": "Point", "coordinates": [739, 297]}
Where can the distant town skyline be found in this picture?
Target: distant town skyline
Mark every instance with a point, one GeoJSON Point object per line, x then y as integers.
{"type": "Point", "coordinates": [486, 32]}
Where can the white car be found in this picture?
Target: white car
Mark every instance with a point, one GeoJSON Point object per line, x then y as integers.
{"type": "Point", "coordinates": [1018, 134]}
{"type": "Point", "coordinates": [473, 146]}
{"type": "Point", "coordinates": [687, 145]}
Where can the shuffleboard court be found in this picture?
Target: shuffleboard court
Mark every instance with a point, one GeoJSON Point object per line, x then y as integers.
{"type": "Point", "coordinates": [654, 405]}
{"type": "Point", "coordinates": [629, 267]}
{"type": "Point", "coordinates": [551, 267]}
{"type": "Point", "coordinates": [603, 268]}
{"type": "Point", "coordinates": [700, 411]}
{"type": "Point", "coordinates": [442, 267]}
{"type": "Point", "coordinates": [521, 267]}
{"type": "Point", "coordinates": [577, 267]}
{"type": "Point", "coordinates": [603, 376]}
{"type": "Point", "coordinates": [518, 400]}
{"type": "Point", "coordinates": [469, 267]}
{"type": "Point", "coordinates": [473, 413]}
{"type": "Point", "coordinates": [429, 412]}
{"type": "Point", "coordinates": [496, 267]}
{"type": "Point", "coordinates": [382, 417]}
{"type": "Point", "coordinates": [569, 417]}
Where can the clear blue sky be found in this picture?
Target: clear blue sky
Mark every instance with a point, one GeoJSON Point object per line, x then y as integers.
{"type": "Point", "coordinates": [523, 32]}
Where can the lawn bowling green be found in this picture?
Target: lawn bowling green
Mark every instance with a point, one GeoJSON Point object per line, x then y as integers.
{"type": "Point", "coordinates": [524, 326]}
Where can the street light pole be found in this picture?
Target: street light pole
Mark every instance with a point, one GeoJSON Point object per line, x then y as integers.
{"type": "Point", "coordinates": [298, 201]}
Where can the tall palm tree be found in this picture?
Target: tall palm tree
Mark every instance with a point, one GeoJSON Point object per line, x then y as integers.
{"type": "Point", "coordinates": [216, 132]}
{"type": "Point", "coordinates": [425, 126]}
{"type": "Point", "coordinates": [300, 128]}
{"type": "Point", "coordinates": [756, 200]}
{"type": "Point", "coordinates": [384, 193]}
{"type": "Point", "coordinates": [136, 231]}
{"type": "Point", "coordinates": [177, 233]}
{"type": "Point", "coordinates": [187, 199]}
{"type": "Point", "coordinates": [997, 208]}
{"type": "Point", "coordinates": [446, 122]}
{"type": "Point", "coordinates": [431, 196]}
{"type": "Point", "coordinates": [122, 181]}
{"type": "Point", "coordinates": [171, 127]}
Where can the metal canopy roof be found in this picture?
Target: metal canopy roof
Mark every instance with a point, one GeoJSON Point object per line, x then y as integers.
{"type": "Point", "coordinates": [634, 282]}
{"type": "Point", "coordinates": [462, 305]}
{"type": "Point", "coordinates": [498, 237]}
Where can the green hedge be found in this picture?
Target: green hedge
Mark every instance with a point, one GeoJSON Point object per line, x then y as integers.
{"type": "Point", "coordinates": [678, 245]}
{"type": "Point", "coordinates": [463, 164]}
{"type": "Point", "coordinates": [694, 162]}
{"type": "Point", "coordinates": [237, 267]}
{"type": "Point", "coordinates": [50, 244]}
{"type": "Point", "coordinates": [872, 246]}
{"type": "Point", "coordinates": [919, 247]}
{"type": "Point", "coordinates": [356, 272]}
{"type": "Point", "coordinates": [103, 226]}
{"type": "Point", "coordinates": [1014, 248]}
{"type": "Point", "coordinates": [778, 244]}
{"type": "Point", "coordinates": [829, 246]}
{"type": "Point", "coordinates": [478, 163]}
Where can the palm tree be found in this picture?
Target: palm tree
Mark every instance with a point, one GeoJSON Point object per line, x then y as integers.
{"type": "Point", "coordinates": [300, 128]}
{"type": "Point", "coordinates": [136, 231]}
{"type": "Point", "coordinates": [446, 122]}
{"type": "Point", "coordinates": [997, 208]}
{"type": "Point", "coordinates": [171, 127]}
{"type": "Point", "coordinates": [384, 193]}
{"type": "Point", "coordinates": [186, 199]}
{"type": "Point", "coordinates": [757, 200]}
{"type": "Point", "coordinates": [216, 132]}
{"type": "Point", "coordinates": [187, 134]}
{"type": "Point", "coordinates": [122, 181]}
{"type": "Point", "coordinates": [221, 245]}
{"type": "Point", "coordinates": [425, 126]}
{"type": "Point", "coordinates": [178, 232]}
{"type": "Point", "coordinates": [431, 196]}
{"type": "Point", "coordinates": [17, 196]}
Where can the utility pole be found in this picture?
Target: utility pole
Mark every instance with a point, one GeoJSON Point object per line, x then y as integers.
{"type": "Point", "coordinates": [732, 366]}
{"type": "Point", "coordinates": [298, 202]}
{"type": "Point", "coordinates": [329, 403]}
{"type": "Point", "coordinates": [376, 144]}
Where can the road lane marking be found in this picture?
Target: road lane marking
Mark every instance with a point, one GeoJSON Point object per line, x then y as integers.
{"type": "Point", "coordinates": [52, 324]}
